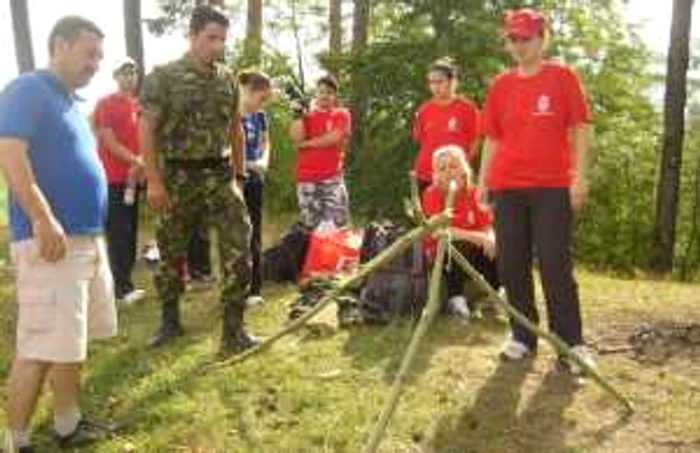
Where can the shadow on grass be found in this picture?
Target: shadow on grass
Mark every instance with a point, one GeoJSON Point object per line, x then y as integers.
{"type": "Point", "coordinates": [386, 346]}
{"type": "Point", "coordinates": [493, 424]}
{"type": "Point", "coordinates": [492, 419]}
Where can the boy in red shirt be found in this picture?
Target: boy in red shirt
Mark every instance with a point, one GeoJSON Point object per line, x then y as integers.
{"type": "Point", "coordinates": [446, 119]}
{"type": "Point", "coordinates": [471, 224]}
{"type": "Point", "coordinates": [536, 121]}
{"type": "Point", "coordinates": [321, 136]}
{"type": "Point", "coordinates": [115, 120]}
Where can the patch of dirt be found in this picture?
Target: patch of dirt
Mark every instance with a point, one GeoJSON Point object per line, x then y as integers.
{"type": "Point", "coordinates": [654, 343]}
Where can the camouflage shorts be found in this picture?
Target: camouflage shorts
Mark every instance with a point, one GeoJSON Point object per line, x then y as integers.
{"type": "Point", "coordinates": [325, 200]}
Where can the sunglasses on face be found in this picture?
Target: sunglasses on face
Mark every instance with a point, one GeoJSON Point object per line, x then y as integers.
{"type": "Point", "coordinates": [128, 71]}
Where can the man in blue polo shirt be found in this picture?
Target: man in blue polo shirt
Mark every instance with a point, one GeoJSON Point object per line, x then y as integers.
{"type": "Point", "coordinates": [57, 211]}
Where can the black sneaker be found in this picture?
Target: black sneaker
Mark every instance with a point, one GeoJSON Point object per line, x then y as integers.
{"type": "Point", "coordinates": [87, 432]}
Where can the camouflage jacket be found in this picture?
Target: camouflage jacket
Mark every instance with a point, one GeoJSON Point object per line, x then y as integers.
{"type": "Point", "coordinates": [194, 109]}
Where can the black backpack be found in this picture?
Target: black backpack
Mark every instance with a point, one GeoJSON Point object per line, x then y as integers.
{"type": "Point", "coordinates": [398, 289]}
{"type": "Point", "coordinates": [283, 262]}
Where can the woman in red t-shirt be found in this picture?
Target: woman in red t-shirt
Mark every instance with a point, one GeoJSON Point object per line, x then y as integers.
{"type": "Point", "coordinates": [446, 119]}
{"type": "Point", "coordinates": [471, 225]}
{"type": "Point", "coordinates": [536, 125]}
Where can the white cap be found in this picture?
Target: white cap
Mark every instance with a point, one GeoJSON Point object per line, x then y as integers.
{"type": "Point", "coordinates": [124, 61]}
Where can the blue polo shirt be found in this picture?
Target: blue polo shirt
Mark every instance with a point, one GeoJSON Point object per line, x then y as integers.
{"type": "Point", "coordinates": [38, 109]}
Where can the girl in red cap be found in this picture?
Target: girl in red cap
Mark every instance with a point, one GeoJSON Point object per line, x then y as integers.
{"type": "Point", "coordinates": [446, 119]}
{"type": "Point", "coordinates": [536, 123]}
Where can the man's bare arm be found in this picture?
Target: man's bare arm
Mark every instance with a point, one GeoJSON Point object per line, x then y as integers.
{"type": "Point", "coordinates": [157, 194]}
{"type": "Point", "coordinates": [19, 175]}
{"type": "Point", "coordinates": [147, 146]}
{"type": "Point", "coordinates": [296, 132]}
{"type": "Point", "coordinates": [118, 150]}
{"type": "Point", "coordinates": [331, 138]}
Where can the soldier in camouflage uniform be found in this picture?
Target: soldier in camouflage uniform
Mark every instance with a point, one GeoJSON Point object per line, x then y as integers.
{"type": "Point", "coordinates": [187, 122]}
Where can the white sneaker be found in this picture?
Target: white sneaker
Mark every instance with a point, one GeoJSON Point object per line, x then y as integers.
{"type": "Point", "coordinates": [459, 307]}
{"type": "Point", "coordinates": [132, 297]}
{"type": "Point", "coordinates": [584, 354]}
{"type": "Point", "coordinates": [252, 301]}
{"type": "Point", "coordinates": [151, 253]}
{"type": "Point", "coordinates": [513, 350]}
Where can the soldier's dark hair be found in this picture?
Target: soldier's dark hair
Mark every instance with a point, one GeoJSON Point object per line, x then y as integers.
{"type": "Point", "coordinates": [329, 81]}
{"type": "Point", "coordinates": [254, 79]}
{"type": "Point", "coordinates": [446, 66]}
{"type": "Point", "coordinates": [205, 15]}
{"type": "Point", "coordinates": [70, 28]}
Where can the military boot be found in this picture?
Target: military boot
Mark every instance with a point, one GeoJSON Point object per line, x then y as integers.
{"type": "Point", "coordinates": [170, 327]}
{"type": "Point", "coordinates": [234, 338]}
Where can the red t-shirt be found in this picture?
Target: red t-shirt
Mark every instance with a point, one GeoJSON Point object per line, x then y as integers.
{"type": "Point", "coordinates": [530, 118]}
{"type": "Point", "coordinates": [468, 214]}
{"type": "Point", "coordinates": [319, 164]}
{"type": "Point", "coordinates": [456, 123]}
{"type": "Point", "coordinates": [119, 113]}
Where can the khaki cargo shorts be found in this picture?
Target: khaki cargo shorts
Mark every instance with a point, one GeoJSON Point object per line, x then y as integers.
{"type": "Point", "coordinates": [61, 305]}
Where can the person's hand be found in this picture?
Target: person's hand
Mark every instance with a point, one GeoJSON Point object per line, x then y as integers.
{"type": "Point", "coordinates": [52, 239]}
{"type": "Point", "coordinates": [137, 174]}
{"type": "Point", "coordinates": [489, 248]}
{"type": "Point", "coordinates": [578, 192]}
{"type": "Point", "coordinates": [138, 162]}
{"type": "Point", "coordinates": [257, 167]}
{"type": "Point", "coordinates": [158, 198]}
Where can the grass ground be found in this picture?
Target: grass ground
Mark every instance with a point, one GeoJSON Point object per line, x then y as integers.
{"type": "Point", "coordinates": [315, 393]}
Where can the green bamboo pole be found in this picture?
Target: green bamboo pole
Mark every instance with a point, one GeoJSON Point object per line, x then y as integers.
{"type": "Point", "coordinates": [555, 341]}
{"type": "Point", "coordinates": [381, 260]}
{"type": "Point", "coordinates": [415, 199]}
{"type": "Point", "coordinates": [429, 312]}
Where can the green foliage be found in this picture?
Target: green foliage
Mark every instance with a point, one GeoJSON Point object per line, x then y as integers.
{"type": "Point", "coordinates": [615, 231]}
{"type": "Point", "coordinates": [591, 35]}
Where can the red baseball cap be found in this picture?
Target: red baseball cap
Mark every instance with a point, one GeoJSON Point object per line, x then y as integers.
{"type": "Point", "coordinates": [524, 23]}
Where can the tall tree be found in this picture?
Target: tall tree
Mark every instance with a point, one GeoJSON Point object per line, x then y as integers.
{"type": "Point", "coordinates": [253, 40]}
{"type": "Point", "coordinates": [335, 25]}
{"type": "Point", "coordinates": [358, 106]}
{"type": "Point", "coordinates": [133, 32]}
{"type": "Point", "coordinates": [674, 131]}
{"type": "Point", "coordinates": [22, 35]}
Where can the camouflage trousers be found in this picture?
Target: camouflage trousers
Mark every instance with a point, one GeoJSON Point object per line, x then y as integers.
{"type": "Point", "coordinates": [210, 198]}
{"type": "Point", "coordinates": [324, 201]}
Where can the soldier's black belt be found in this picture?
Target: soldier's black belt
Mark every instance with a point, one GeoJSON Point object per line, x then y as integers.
{"type": "Point", "coordinates": [198, 164]}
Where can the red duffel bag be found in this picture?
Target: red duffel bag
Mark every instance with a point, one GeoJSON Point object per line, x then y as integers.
{"type": "Point", "coordinates": [332, 252]}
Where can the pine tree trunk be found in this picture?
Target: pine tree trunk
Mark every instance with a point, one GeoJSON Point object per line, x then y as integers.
{"type": "Point", "coordinates": [133, 32]}
{"type": "Point", "coordinates": [674, 131]}
{"type": "Point", "coordinates": [253, 40]}
{"type": "Point", "coordinates": [360, 36]}
{"type": "Point", "coordinates": [23, 36]}
{"type": "Point", "coordinates": [335, 25]}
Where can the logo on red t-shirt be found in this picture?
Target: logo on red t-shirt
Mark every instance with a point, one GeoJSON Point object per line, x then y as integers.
{"type": "Point", "coordinates": [544, 105]}
{"type": "Point", "coordinates": [453, 124]}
